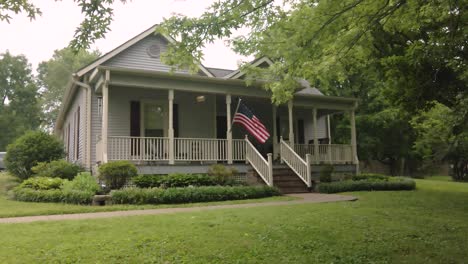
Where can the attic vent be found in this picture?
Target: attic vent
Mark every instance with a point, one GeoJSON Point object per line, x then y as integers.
{"type": "Point", "coordinates": [154, 51]}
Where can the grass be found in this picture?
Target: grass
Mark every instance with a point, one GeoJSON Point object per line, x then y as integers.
{"type": "Point", "coordinates": [428, 225]}
{"type": "Point", "coordinates": [10, 208]}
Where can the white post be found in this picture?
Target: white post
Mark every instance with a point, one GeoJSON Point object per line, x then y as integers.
{"type": "Point", "coordinates": [309, 172]}
{"type": "Point", "coordinates": [316, 145]}
{"type": "Point", "coordinates": [229, 129]}
{"type": "Point", "coordinates": [275, 136]}
{"type": "Point", "coordinates": [171, 126]}
{"type": "Point", "coordinates": [329, 130]}
{"type": "Point", "coordinates": [291, 124]}
{"type": "Point", "coordinates": [270, 169]}
{"type": "Point", "coordinates": [353, 137]}
{"type": "Point", "coordinates": [105, 116]}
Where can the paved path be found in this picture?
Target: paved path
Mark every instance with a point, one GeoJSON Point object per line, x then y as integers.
{"type": "Point", "coordinates": [306, 198]}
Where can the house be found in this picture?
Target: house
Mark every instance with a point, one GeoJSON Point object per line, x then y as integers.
{"type": "Point", "coordinates": [127, 105]}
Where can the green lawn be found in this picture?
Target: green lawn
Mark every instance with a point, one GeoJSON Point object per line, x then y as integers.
{"type": "Point", "coordinates": [10, 208]}
{"type": "Point", "coordinates": [429, 225]}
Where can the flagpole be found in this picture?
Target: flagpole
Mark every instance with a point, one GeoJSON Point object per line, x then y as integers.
{"type": "Point", "coordinates": [235, 112]}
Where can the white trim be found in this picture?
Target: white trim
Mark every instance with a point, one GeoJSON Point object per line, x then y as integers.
{"type": "Point", "coordinates": [237, 73]}
{"type": "Point", "coordinates": [126, 45]}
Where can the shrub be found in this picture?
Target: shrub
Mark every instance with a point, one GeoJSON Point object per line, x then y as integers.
{"type": "Point", "coordinates": [30, 149]}
{"type": "Point", "coordinates": [52, 196]}
{"type": "Point", "coordinates": [367, 185]}
{"type": "Point", "coordinates": [326, 173]}
{"type": "Point", "coordinates": [42, 183]}
{"type": "Point", "coordinates": [180, 180]}
{"type": "Point", "coordinates": [57, 168]}
{"type": "Point", "coordinates": [191, 195]}
{"type": "Point", "coordinates": [116, 173]}
{"type": "Point", "coordinates": [221, 172]}
{"type": "Point", "coordinates": [370, 176]}
{"type": "Point", "coordinates": [82, 182]}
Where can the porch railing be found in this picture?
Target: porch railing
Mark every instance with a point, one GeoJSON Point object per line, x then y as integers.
{"type": "Point", "coordinates": [185, 149]}
{"type": "Point", "coordinates": [300, 166]}
{"type": "Point", "coordinates": [327, 153]}
{"type": "Point", "coordinates": [264, 167]}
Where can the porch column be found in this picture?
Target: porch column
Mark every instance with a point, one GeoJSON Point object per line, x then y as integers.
{"type": "Point", "coordinates": [229, 129]}
{"type": "Point", "coordinates": [105, 116]}
{"type": "Point", "coordinates": [291, 123]}
{"type": "Point", "coordinates": [316, 145]}
{"type": "Point", "coordinates": [353, 137]}
{"type": "Point", "coordinates": [171, 126]}
{"type": "Point", "coordinates": [275, 136]}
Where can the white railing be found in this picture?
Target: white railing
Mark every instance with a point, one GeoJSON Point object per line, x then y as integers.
{"type": "Point", "coordinates": [300, 166]}
{"type": "Point", "coordinates": [238, 149]}
{"type": "Point", "coordinates": [157, 149]}
{"type": "Point", "coordinates": [327, 153]}
{"type": "Point", "coordinates": [138, 148]}
{"type": "Point", "coordinates": [263, 167]}
{"type": "Point", "coordinates": [200, 149]}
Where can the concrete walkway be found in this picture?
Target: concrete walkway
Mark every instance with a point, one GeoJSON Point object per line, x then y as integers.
{"type": "Point", "coordinates": [306, 199]}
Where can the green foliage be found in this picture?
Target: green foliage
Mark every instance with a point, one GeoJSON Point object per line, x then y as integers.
{"type": "Point", "coordinates": [191, 194]}
{"type": "Point", "coordinates": [54, 75]}
{"type": "Point", "coordinates": [42, 183]}
{"type": "Point", "coordinates": [55, 190]}
{"type": "Point", "coordinates": [57, 169]}
{"type": "Point", "coordinates": [326, 173]}
{"type": "Point", "coordinates": [370, 177]}
{"type": "Point", "coordinates": [30, 149]}
{"type": "Point", "coordinates": [180, 180]}
{"type": "Point", "coordinates": [19, 108]}
{"type": "Point", "coordinates": [438, 139]}
{"type": "Point", "coordinates": [221, 172]}
{"type": "Point", "coordinates": [82, 182]}
{"type": "Point", "coordinates": [394, 184]}
{"type": "Point", "coordinates": [115, 174]}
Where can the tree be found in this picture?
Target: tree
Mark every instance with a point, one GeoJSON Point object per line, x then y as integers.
{"type": "Point", "coordinates": [98, 15]}
{"type": "Point", "coordinates": [19, 109]}
{"type": "Point", "coordinates": [436, 141]}
{"type": "Point", "coordinates": [54, 75]}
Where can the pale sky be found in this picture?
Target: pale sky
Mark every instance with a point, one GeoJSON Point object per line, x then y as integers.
{"type": "Point", "coordinates": [53, 30]}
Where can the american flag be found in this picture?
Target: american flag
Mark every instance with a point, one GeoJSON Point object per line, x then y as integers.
{"type": "Point", "coordinates": [250, 122]}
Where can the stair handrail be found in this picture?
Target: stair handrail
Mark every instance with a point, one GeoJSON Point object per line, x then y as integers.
{"type": "Point", "coordinates": [264, 167]}
{"type": "Point", "coordinates": [300, 166]}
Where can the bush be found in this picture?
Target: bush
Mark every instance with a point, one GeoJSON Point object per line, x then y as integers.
{"type": "Point", "coordinates": [42, 183]}
{"type": "Point", "coordinates": [367, 185]}
{"type": "Point", "coordinates": [326, 173]}
{"type": "Point", "coordinates": [116, 173]}
{"type": "Point", "coordinates": [57, 169]}
{"type": "Point", "coordinates": [370, 176]}
{"type": "Point", "coordinates": [82, 182]}
{"type": "Point", "coordinates": [30, 149]}
{"type": "Point", "coordinates": [180, 180]}
{"type": "Point", "coordinates": [190, 195]}
{"type": "Point", "coordinates": [41, 189]}
{"type": "Point", "coordinates": [221, 172]}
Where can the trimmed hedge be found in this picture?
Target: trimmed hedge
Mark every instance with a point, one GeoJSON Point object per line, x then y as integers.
{"type": "Point", "coordinates": [55, 190]}
{"type": "Point", "coordinates": [190, 195]}
{"type": "Point", "coordinates": [393, 184]}
{"type": "Point", "coordinates": [180, 180]}
{"type": "Point", "coordinates": [370, 176]}
{"type": "Point", "coordinates": [53, 196]}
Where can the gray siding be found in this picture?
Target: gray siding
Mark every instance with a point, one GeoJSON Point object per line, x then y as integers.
{"type": "Point", "coordinates": [137, 57]}
{"type": "Point", "coordinates": [79, 100]}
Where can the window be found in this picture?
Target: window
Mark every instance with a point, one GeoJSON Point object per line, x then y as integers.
{"type": "Point", "coordinates": [99, 106]}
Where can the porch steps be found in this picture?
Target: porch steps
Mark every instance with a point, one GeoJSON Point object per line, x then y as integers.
{"type": "Point", "coordinates": [287, 181]}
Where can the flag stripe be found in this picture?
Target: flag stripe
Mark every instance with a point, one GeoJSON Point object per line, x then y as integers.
{"type": "Point", "coordinates": [253, 125]}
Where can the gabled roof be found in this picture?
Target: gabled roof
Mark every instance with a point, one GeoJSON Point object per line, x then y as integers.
{"type": "Point", "coordinates": [257, 62]}
{"type": "Point", "coordinates": [217, 72]}
{"type": "Point", "coordinates": [126, 45]}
